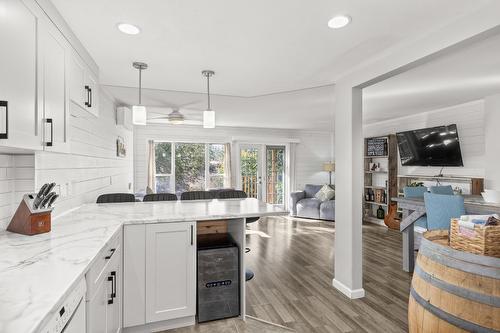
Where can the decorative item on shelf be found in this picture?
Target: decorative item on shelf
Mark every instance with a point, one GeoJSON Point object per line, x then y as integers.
{"type": "Point", "coordinates": [329, 167]}
{"type": "Point", "coordinates": [380, 213]}
{"type": "Point", "coordinates": [121, 149]}
{"type": "Point", "coordinates": [374, 166]}
{"type": "Point", "coordinates": [416, 184]}
{"type": "Point", "coordinates": [379, 196]}
{"type": "Point", "coordinates": [33, 215]}
{"type": "Point", "coordinates": [376, 147]}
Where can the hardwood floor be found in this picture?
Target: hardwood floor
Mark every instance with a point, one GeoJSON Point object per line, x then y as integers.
{"type": "Point", "coordinates": [293, 264]}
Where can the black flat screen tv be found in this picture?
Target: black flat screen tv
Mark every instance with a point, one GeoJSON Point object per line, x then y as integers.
{"type": "Point", "coordinates": [436, 146]}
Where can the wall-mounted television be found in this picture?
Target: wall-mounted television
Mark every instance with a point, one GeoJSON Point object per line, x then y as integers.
{"type": "Point", "coordinates": [436, 146]}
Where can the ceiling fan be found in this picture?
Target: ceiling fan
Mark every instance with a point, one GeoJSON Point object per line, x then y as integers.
{"type": "Point", "coordinates": [177, 114]}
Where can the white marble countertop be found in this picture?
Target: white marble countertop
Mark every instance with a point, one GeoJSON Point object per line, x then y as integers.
{"type": "Point", "coordinates": [37, 272]}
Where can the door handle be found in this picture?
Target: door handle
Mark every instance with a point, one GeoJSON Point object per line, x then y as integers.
{"type": "Point", "coordinates": [87, 102]}
{"type": "Point", "coordinates": [4, 127]}
{"type": "Point", "coordinates": [51, 123]}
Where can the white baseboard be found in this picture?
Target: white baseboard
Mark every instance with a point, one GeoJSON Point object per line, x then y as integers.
{"type": "Point", "coordinates": [161, 325]}
{"type": "Point", "coordinates": [352, 294]}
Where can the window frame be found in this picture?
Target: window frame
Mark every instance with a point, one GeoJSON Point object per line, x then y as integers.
{"type": "Point", "coordinates": [172, 161]}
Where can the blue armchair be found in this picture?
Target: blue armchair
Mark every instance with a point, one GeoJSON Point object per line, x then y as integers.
{"type": "Point", "coordinates": [441, 208]}
{"type": "Point", "coordinates": [442, 190]}
{"type": "Point", "coordinates": [417, 192]}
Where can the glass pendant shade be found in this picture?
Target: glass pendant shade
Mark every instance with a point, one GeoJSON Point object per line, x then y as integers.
{"type": "Point", "coordinates": [209, 119]}
{"type": "Point", "coordinates": [139, 115]}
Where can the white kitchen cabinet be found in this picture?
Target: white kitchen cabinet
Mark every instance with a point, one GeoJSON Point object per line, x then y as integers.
{"type": "Point", "coordinates": [170, 271]}
{"type": "Point", "coordinates": [52, 88]}
{"type": "Point", "coordinates": [20, 125]}
{"type": "Point", "coordinates": [159, 272]}
{"type": "Point", "coordinates": [83, 86]}
{"type": "Point", "coordinates": [104, 291]}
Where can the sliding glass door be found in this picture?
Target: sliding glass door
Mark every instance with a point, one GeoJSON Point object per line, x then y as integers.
{"type": "Point", "coordinates": [275, 175]}
{"type": "Point", "coordinates": [262, 172]}
{"type": "Point", "coordinates": [251, 170]}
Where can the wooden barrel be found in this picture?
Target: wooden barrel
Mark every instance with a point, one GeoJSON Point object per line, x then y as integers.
{"type": "Point", "coordinates": [453, 291]}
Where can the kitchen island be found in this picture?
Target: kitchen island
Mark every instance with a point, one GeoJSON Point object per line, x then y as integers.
{"type": "Point", "coordinates": [38, 272]}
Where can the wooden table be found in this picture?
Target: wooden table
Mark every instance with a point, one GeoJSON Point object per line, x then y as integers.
{"type": "Point", "coordinates": [414, 208]}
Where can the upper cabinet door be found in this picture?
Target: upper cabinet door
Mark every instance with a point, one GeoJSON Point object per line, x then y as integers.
{"type": "Point", "coordinates": [170, 271]}
{"type": "Point", "coordinates": [19, 122]}
{"type": "Point", "coordinates": [53, 92]}
{"type": "Point", "coordinates": [83, 86]}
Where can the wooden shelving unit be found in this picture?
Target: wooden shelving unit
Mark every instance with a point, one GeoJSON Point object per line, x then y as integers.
{"type": "Point", "coordinates": [381, 151]}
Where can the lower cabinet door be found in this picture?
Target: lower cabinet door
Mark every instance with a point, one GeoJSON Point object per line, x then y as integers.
{"type": "Point", "coordinates": [114, 308]}
{"type": "Point", "coordinates": [96, 309]}
{"type": "Point", "coordinates": [170, 271]}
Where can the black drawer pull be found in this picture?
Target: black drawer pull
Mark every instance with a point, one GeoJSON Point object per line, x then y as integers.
{"type": "Point", "coordinates": [112, 251]}
{"type": "Point", "coordinates": [111, 279]}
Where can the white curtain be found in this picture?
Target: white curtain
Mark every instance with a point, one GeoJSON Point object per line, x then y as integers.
{"type": "Point", "coordinates": [228, 183]}
{"type": "Point", "coordinates": [151, 167]}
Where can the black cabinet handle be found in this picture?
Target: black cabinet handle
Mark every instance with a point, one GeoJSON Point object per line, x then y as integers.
{"type": "Point", "coordinates": [111, 278]}
{"type": "Point", "coordinates": [87, 102]}
{"type": "Point", "coordinates": [110, 255]}
{"type": "Point", "coordinates": [4, 107]}
{"type": "Point", "coordinates": [113, 286]}
{"type": "Point", "coordinates": [192, 236]}
{"type": "Point", "coordinates": [90, 99]}
{"type": "Point", "coordinates": [51, 142]}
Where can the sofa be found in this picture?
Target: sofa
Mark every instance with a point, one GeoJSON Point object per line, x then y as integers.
{"type": "Point", "coordinates": [304, 204]}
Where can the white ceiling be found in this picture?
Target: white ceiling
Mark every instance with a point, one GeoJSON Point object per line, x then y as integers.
{"type": "Point", "coordinates": [269, 56]}
{"type": "Point", "coordinates": [468, 74]}
{"type": "Point", "coordinates": [255, 47]}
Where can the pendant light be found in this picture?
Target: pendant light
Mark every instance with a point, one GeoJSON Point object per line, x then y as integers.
{"type": "Point", "coordinates": [208, 114]}
{"type": "Point", "coordinates": [139, 114]}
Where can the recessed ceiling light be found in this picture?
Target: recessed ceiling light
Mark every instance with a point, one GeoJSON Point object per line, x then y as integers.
{"type": "Point", "coordinates": [128, 29]}
{"type": "Point", "coordinates": [339, 21]}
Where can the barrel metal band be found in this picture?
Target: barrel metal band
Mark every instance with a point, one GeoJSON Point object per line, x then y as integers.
{"type": "Point", "coordinates": [458, 322]}
{"type": "Point", "coordinates": [492, 272]}
{"type": "Point", "coordinates": [456, 290]}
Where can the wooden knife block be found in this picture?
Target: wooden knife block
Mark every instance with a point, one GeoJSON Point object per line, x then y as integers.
{"type": "Point", "coordinates": [29, 221]}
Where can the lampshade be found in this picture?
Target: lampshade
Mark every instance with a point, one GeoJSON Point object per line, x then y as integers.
{"type": "Point", "coordinates": [209, 119]}
{"type": "Point", "coordinates": [329, 166]}
{"type": "Point", "coordinates": [139, 115]}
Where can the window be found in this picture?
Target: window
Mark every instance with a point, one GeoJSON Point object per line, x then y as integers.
{"type": "Point", "coordinates": [163, 161]}
{"type": "Point", "coordinates": [216, 154]}
{"type": "Point", "coordinates": [182, 167]}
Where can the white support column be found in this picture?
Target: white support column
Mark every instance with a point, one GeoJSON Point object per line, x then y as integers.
{"type": "Point", "coordinates": [492, 156]}
{"type": "Point", "coordinates": [349, 191]}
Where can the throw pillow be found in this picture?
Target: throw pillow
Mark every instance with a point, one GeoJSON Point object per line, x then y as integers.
{"type": "Point", "coordinates": [326, 193]}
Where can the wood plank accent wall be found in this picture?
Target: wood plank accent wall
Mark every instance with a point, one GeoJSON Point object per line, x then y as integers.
{"type": "Point", "coordinates": [16, 177]}
{"type": "Point", "coordinates": [469, 118]}
{"type": "Point", "coordinates": [92, 168]}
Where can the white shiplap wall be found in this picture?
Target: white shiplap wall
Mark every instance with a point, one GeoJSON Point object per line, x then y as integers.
{"type": "Point", "coordinates": [315, 147]}
{"type": "Point", "coordinates": [92, 167]}
{"type": "Point", "coordinates": [469, 118]}
{"type": "Point", "coordinates": [16, 178]}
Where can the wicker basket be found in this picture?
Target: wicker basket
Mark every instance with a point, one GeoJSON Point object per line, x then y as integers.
{"type": "Point", "coordinates": [480, 240]}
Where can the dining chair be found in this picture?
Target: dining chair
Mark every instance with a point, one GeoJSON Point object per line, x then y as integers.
{"type": "Point", "coordinates": [416, 192]}
{"type": "Point", "coordinates": [160, 197]}
{"type": "Point", "coordinates": [441, 208]}
{"type": "Point", "coordinates": [197, 195]}
{"type": "Point", "coordinates": [115, 197]}
{"type": "Point", "coordinates": [448, 189]}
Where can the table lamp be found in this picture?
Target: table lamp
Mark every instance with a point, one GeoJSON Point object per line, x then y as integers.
{"type": "Point", "coordinates": [329, 167]}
